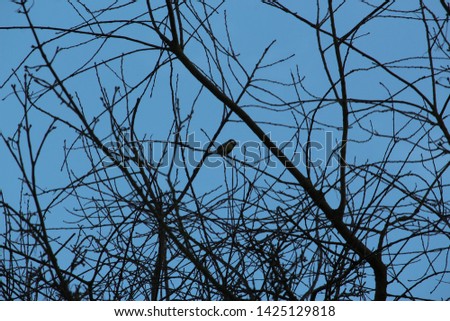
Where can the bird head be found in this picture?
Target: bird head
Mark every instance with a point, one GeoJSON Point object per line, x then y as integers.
{"type": "Point", "coordinates": [232, 142]}
{"type": "Point", "coordinates": [227, 147]}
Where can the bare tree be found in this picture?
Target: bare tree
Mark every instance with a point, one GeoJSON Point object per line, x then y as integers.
{"type": "Point", "coordinates": [120, 197]}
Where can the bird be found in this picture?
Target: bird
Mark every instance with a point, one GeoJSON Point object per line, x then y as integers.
{"type": "Point", "coordinates": [225, 148]}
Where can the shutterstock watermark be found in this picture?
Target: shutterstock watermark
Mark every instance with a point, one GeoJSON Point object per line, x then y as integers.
{"type": "Point", "coordinates": [153, 153]}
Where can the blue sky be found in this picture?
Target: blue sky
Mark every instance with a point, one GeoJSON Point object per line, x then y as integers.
{"type": "Point", "coordinates": [252, 27]}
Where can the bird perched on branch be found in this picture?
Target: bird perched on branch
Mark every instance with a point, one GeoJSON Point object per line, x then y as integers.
{"type": "Point", "coordinates": [225, 148]}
